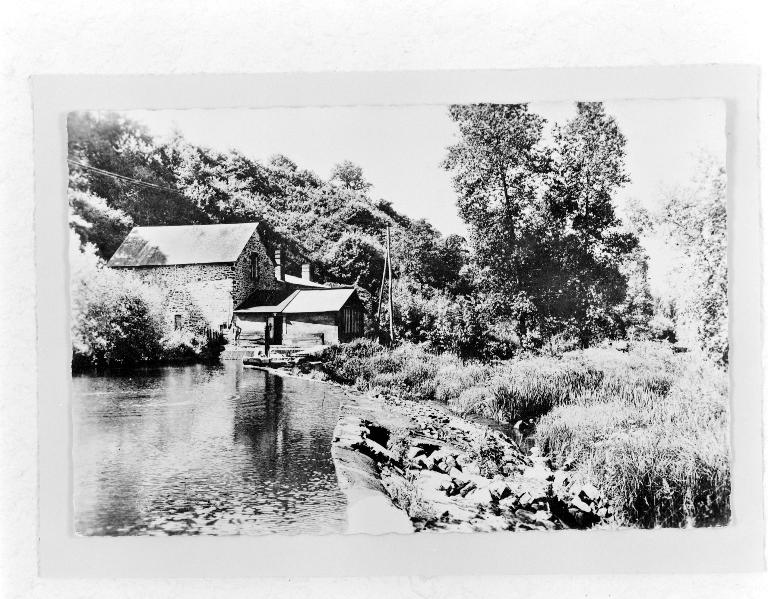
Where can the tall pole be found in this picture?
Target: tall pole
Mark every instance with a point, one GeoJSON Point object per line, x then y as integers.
{"type": "Point", "coordinates": [389, 269]}
{"type": "Point", "coordinates": [381, 287]}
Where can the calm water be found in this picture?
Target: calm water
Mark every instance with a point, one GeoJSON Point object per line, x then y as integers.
{"type": "Point", "coordinates": [204, 450]}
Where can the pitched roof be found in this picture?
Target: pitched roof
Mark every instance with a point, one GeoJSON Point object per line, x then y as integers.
{"type": "Point", "coordinates": [183, 244]}
{"type": "Point", "coordinates": [328, 299]}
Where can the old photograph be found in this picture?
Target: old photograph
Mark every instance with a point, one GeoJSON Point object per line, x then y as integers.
{"type": "Point", "coordinates": [399, 319]}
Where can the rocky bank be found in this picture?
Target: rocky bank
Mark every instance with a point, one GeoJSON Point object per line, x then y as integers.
{"type": "Point", "coordinates": [448, 473]}
{"type": "Point", "coordinates": [413, 466]}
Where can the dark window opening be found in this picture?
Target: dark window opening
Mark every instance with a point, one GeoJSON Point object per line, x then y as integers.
{"type": "Point", "coordinates": [254, 266]}
{"type": "Point", "coordinates": [177, 321]}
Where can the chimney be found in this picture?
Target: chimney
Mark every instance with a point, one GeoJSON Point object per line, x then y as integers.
{"type": "Point", "coordinates": [279, 264]}
{"type": "Point", "coordinates": [306, 272]}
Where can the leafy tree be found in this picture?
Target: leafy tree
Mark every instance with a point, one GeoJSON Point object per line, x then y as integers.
{"type": "Point", "coordinates": [350, 176]}
{"type": "Point", "coordinates": [356, 259]}
{"type": "Point", "coordinates": [422, 254]}
{"type": "Point", "coordinates": [548, 246]}
{"type": "Point", "coordinates": [497, 171]}
{"type": "Point", "coordinates": [694, 220]}
{"type": "Point", "coordinates": [111, 143]}
{"type": "Point", "coordinates": [588, 168]}
{"type": "Point", "coordinates": [97, 223]}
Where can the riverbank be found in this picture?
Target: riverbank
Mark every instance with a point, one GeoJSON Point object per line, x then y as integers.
{"type": "Point", "coordinates": [642, 422]}
{"type": "Point", "coordinates": [410, 466]}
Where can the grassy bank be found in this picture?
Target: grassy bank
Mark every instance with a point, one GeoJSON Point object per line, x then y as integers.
{"type": "Point", "coordinates": [648, 426]}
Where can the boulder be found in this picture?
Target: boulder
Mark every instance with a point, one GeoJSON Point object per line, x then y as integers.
{"type": "Point", "coordinates": [499, 490]}
{"type": "Point", "coordinates": [589, 493]}
{"type": "Point", "coordinates": [479, 496]}
{"type": "Point", "coordinates": [379, 451]}
{"type": "Point", "coordinates": [449, 463]}
{"type": "Point", "coordinates": [525, 499]}
{"type": "Point", "coordinates": [465, 489]}
{"type": "Point", "coordinates": [526, 516]}
{"type": "Point", "coordinates": [509, 502]}
{"type": "Point", "coordinates": [414, 452]}
{"type": "Point", "coordinates": [581, 505]}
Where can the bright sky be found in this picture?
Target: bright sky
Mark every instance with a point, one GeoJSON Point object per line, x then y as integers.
{"type": "Point", "coordinates": [400, 147]}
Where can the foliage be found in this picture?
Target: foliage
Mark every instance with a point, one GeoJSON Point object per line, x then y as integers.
{"type": "Point", "coordinates": [694, 220]}
{"type": "Point", "coordinates": [117, 320]}
{"type": "Point", "coordinates": [97, 223]}
{"type": "Point", "coordinates": [549, 248]}
{"type": "Point", "coordinates": [647, 426]}
{"type": "Point", "coordinates": [652, 436]}
{"type": "Point", "coordinates": [350, 176]}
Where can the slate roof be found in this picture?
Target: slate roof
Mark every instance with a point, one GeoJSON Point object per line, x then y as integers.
{"type": "Point", "coordinates": [183, 244]}
{"type": "Point", "coordinates": [328, 299]}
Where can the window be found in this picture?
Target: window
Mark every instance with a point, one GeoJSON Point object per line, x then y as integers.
{"type": "Point", "coordinates": [177, 321]}
{"type": "Point", "coordinates": [254, 266]}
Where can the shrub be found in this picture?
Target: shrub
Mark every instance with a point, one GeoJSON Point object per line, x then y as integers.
{"type": "Point", "coordinates": [475, 400]}
{"type": "Point", "coordinates": [116, 320]}
{"type": "Point", "coordinates": [654, 440]}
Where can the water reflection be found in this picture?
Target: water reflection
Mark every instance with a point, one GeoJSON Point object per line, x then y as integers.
{"type": "Point", "coordinates": [204, 450]}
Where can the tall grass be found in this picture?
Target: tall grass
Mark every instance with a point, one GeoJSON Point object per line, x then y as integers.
{"type": "Point", "coordinates": [647, 426]}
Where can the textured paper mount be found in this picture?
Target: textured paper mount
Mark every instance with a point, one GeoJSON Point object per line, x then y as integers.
{"type": "Point", "coordinates": [738, 547]}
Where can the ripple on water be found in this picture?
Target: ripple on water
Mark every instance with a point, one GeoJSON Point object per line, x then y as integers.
{"type": "Point", "coordinates": [194, 450]}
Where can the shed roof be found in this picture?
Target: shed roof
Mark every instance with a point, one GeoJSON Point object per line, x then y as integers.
{"type": "Point", "coordinates": [318, 300]}
{"type": "Point", "coordinates": [329, 299]}
{"type": "Point", "coordinates": [183, 244]}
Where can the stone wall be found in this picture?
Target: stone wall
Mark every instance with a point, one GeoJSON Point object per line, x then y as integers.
{"type": "Point", "coordinates": [205, 294]}
{"type": "Point", "coordinates": [242, 282]}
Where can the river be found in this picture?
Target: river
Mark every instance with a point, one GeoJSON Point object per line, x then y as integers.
{"type": "Point", "coordinates": [199, 449]}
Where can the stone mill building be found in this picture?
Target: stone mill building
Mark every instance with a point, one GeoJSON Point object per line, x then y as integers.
{"type": "Point", "coordinates": [214, 276]}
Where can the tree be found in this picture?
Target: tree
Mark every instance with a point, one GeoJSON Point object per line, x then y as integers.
{"type": "Point", "coordinates": [694, 220]}
{"type": "Point", "coordinates": [497, 171]}
{"type": "Point", "coordinates": [350, 176]}
{"type": "Point", "coordinates": [422, 254]}
{"type": "Point", "coordinates": [96, 222]}
{"type": "Point", "coordinates": [548, 246]}
{"type": "Point", "coordinates": [587, 169]}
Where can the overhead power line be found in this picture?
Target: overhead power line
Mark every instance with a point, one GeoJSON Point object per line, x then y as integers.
{"type": "Point", "coordinates": [123, 177]}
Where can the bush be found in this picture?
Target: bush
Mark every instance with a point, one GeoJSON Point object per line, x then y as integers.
{"type": "Point", "coordinates": [654, 438]}
{"type": "Point", "coordinates": [118, 321]}
{"type": "Point", "coordinates": [187, 346]}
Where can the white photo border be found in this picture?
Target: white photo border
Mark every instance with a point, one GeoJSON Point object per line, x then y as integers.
{"type": "Point", "coordinates": [735, 548]}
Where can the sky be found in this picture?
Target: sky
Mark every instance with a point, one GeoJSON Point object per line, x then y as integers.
{"type": "Point", "coordinates": [400, 148]}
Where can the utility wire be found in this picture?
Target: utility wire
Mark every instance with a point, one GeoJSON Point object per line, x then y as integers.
{"type": "Point", "coordinates": [302, 250]}
{"type": "Point", "coordinates": [123, 177]}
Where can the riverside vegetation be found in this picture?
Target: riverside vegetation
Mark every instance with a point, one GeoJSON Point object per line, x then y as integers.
{"type": "Point", "coordinates": [647, 426]}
